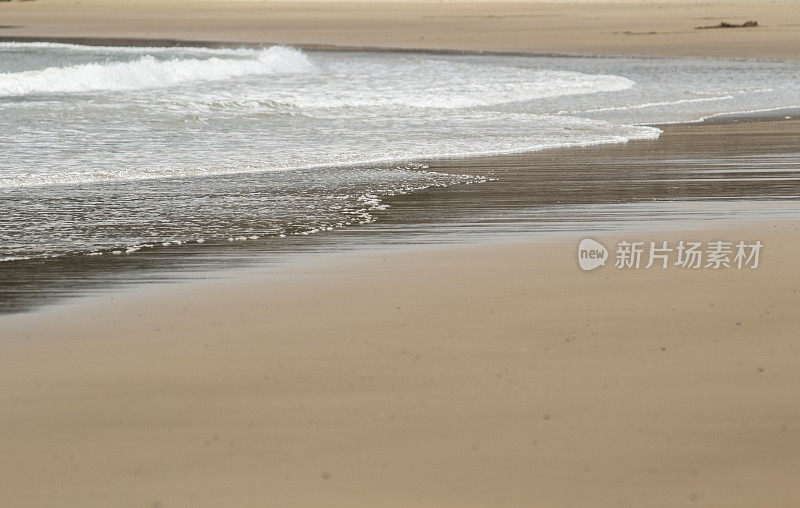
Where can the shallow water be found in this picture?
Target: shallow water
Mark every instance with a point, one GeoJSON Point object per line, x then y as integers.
{"type": "Point", "coordinates": [117, 149]}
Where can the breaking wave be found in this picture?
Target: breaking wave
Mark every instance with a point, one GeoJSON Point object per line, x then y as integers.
{"type": "Point", "coordinates": [149, 72]}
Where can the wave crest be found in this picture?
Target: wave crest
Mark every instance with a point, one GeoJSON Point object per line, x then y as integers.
{"type": "Point", "coordinates": [150, 72]}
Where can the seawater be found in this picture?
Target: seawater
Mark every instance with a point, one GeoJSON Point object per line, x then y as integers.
{"type": "Point", "coordinates": [110, 150]}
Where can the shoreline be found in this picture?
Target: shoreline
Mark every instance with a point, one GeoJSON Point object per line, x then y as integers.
{"type": "Point", "coordinates": [141, 42]}
{"type": "Point", "coordinates": [225, 44]}
{"type": "Point", "coordinates": [553, 191]}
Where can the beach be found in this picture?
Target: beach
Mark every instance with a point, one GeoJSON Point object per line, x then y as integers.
{"type": "Point", "coordinates": [394, 379]}
{"type": "Point", "coordinates": [582, 27]}
{"type": "Point", "coordinates": [496, 373]}
{"type": "Point", "coordinates": [450, 351]}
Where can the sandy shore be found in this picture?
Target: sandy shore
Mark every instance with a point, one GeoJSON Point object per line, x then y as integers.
{"type": "Point", "coordinates": [586, 27]}
{"type": "Point", "coordinates": [494, 374]}
{"type": "Point", "coordinates": [717, 170]}
{"type": "Point", "coordinates": [450, 376]}
{"type": "Point", "coordinates": [471, 376]}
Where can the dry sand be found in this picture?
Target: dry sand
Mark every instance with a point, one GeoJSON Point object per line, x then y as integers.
{"type": "Point", "coordinates": [624, 27]}
{"type": "Point", "coordinates": [471, 376]}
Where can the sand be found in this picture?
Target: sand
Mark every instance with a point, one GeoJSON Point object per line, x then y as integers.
{"type": "Point", "coordinates": [624, 27]}
{"type": "Point", "coordinates": [461, 376]}
{"type": "Point", "coordinates": [496, 374]}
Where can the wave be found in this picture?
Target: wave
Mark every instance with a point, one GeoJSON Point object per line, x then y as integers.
{"type": "Point", "coordinates": [646, 105]}
{"type": "Point", "coordinates": [462, 86]}
{"type": "Point", "coordinates": [150, 72]}
{"type": "Point", "coordinates": [549, 132]}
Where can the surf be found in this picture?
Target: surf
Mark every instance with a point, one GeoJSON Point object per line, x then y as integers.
{"type": "Point", "coordinates": [148, 71]}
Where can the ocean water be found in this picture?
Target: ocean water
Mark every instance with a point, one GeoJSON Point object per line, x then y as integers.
{"type": "Point", "coordinates": [112, 150]}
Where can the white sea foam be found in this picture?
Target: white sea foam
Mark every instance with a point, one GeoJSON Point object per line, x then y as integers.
{"type": "Point", "coordinates": [149, 72]}
{"type": "Point", "coordinates": [446, 85]}
{"type": "Point", "coordinates": [647, 105]}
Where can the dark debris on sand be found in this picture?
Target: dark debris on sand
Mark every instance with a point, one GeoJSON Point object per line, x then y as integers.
{"type": "Point", "coordinates": [725, 24]}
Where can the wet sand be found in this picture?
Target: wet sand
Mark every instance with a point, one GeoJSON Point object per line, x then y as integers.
{"type": "Point", "coordinates": [665, 28]}
{"type": "Point", "coordinates": [472, 375]}
{"type": "Point", "coordinates": [462, 376]}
